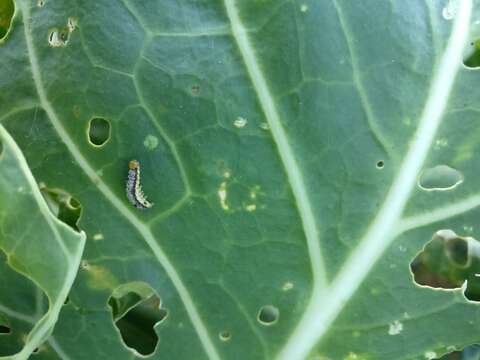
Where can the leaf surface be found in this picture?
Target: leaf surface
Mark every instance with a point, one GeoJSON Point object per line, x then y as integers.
{"type": "Point", "coordinates": [39, 247]}
{"type": "Point", "coordinates": [282, 143]}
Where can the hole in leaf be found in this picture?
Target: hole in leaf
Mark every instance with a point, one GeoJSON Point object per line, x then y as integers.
{"type": "Point", "coordinates": [447, 261]}
{"type": "Point", "coordinates": [84, 264]}
{"type": "Point", "coordinates": [268, 315]}
{"type": "Point", "coordinates": [380, 164]}
{"type": "Point", "coordinates": [225, 335]}
{"type": "Point", "coordinates": [473, 58]}
{"type": "Point", "coordinates": [7, 9]}
{"type": "Point", "coordinates": [4, 329]}
{"type": "Point", "coordinates": [19, 294]}
{"type": "Point", "coordinates": [63, 206]}
{"type": "Point", "coordinates": [67, 301]}
{"type": "Point", "coordinates": [61, 37]}
{"type": "Point", "coordinates": [440, 177]}
{"type": "Point", "coordinates": [136, 310]}
{"type": "Point", "coordinates": [471, 352]}
{"type": "Point", "coordinates": [195, 89]}
{"type": "Point", "coordinates": [99, 131]}
{"type": "Point", "coordinates": [58, 38]}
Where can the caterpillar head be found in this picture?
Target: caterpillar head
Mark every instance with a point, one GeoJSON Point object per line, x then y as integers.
{"type": "Point", "coordinates": [133, 164]}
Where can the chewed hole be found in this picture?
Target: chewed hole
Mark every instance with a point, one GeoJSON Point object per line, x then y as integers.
{"type": "Point", "coordinates": [268, 315]}
{"type": "Point", "coordinates": [136, 311]}
{"type": "Point", "coordinates": [440, 178]}
{"type": "Point", "coordinates": [449, 261]}
{"type": "Point", "coordinates": [225, 335]}
{"type": "Point", "coordinates": [473, 55]}
{"type": "Point", "coordinates": [380, 164]}
{"type": "Point", "coordinates": [4, 329]}
{"type": "Point", "coordinates": [63, 206]}
{"type": "Point", "coordinates": [60, 37]}
{"type": "Point", "coordinates": [195, 89]}
{"type": "Point", "coordinates": [7, 9]}
{"type": "Point", "coordinates": [99, 131]}
{"type": "Point", "coordinates": [74, 203]}
{"type": "Point", "coordinates": [57, 38]}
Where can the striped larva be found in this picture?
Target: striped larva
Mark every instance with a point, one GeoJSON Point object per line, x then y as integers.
{"type": "Point", "coordinates": [134, 189]}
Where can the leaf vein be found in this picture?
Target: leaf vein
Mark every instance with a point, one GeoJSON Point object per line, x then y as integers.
{"type": "Point", "coordinates": [292, 168]}
{"type": "Point", "coordinates": [82, 162]}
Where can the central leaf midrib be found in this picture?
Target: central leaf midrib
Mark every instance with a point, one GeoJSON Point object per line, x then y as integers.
{"type": "Point", "coordinates": [111, 197]}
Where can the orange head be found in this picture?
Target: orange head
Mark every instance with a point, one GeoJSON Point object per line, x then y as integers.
{"type": "Point", "coordinates": [133, 164]}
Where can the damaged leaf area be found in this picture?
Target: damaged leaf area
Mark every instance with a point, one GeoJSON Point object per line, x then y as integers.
{"type": "Point", "coordinates": [7, 8]}
{"type": "Point", "coordinates": [39, 259]}
{"type": "Point", "coordinates": [314, 168]}
{"type": "Point", "coordinates": [449, 261]}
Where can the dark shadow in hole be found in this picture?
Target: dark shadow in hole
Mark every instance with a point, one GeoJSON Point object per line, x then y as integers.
{"type": "Point", "coordinates": [447, 261]}
{"type": "Point", "coordinates": [225, 335]}
{"type": "Point", "coordinates": [19, 295]}
{"type": "Point", "coordinates": [195, 89]}
{"type": "Point", "coordinates": [268, 315]}
{"type": "Point", "coordinates": [65, 207]}
{"type": "Point", "coordinates": [380, 164]}
{"type": "Point", "coordinates": [473, 59]}
{"type": "Point", "coordinates": [7, 9]}
{"type": "Point", "coordinates": [99, 131]}
{"type": "Point", "coordinates": [471, 352]}
{"type": "Point", "coordinates": [136, 310]}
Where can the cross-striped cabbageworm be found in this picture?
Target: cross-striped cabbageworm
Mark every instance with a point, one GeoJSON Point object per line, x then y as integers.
{"type": "Point", "coordinates": [134, 189]}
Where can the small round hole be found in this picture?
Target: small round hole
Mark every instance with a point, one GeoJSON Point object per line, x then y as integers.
{"type": "Point", "coordinates": [85, 264]}
{"type": "Point", "coordinates": [195, 89]}
{"type": "Point", "coordinates": [99, 131]}
{"type": "Point", "coordinates": [4, 329]}
{"type": "Point", "coordinates": [268, 315]}
{"type": "Point", "coordinates": [225, 335]}
{"type": "Point", "coordinates": [380, 164]}
{"type": "Point", "coordinates": [73, 203]}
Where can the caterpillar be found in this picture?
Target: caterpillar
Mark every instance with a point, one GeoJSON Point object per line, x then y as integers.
{"type": "Point", "coordinates": [134, 189]}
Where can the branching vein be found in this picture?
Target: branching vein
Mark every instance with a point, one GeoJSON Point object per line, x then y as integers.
{"type": "Point", "coordinates": [325, 307]}
{"type": "Point", "coordinates": [287, 156]}
{"type": "Point", "coordinates": [110, 196]}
